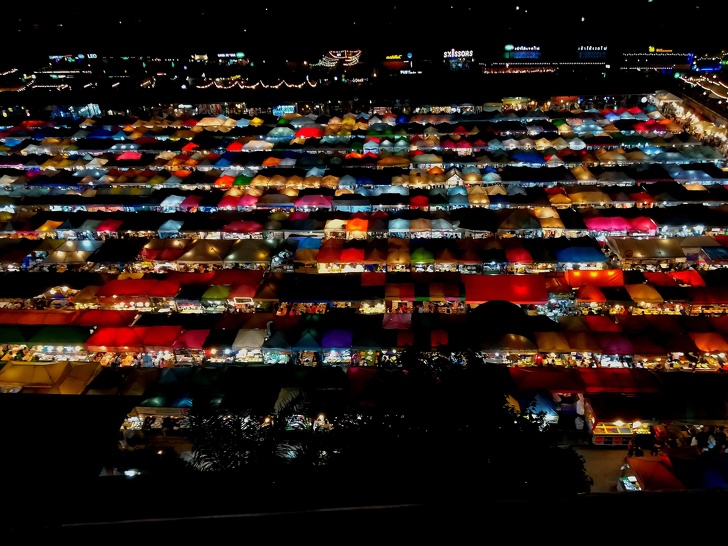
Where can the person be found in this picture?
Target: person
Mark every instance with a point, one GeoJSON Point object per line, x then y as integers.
{"type": "Point", "coordinates": [711, 444]}
{"type": "Point", "coordinates": [167, 425]}
{"type": "Point", "coordinates": [631, 446]}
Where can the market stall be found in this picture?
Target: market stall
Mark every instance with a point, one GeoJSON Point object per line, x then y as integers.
{"type": "Point", "coordinates": [248, 345]}
{"type": "Point", "coordinates": [277, 349]}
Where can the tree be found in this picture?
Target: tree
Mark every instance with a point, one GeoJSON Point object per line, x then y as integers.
{"type": "Point", "coordinates": [448, 431]}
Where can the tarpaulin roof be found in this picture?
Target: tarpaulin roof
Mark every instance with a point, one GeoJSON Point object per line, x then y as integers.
{"type": "Point", "coordinates": [277, 342]}
{"type": "Point", "coordinates": [549, 378]}
{"type": "Point", "coordinates": [33, 374]}
{"type": "Point", "coordinates": [583, 341]}
{"type": "Point", "coordinates": [643, 293]}
{"type": "Point", "coordinates": [708, 295]}
{"type": "Point", "coordinates": [508, 343]}
{"type": "Point", "coordinates": [307, 342]}
{"type": "Point", "coordinates": [36, 316]}
{"type": "Point", "coordinates": [600, 278]}
{"type": "Point", "coordinates": [518, 289]}
{"type": "Point", "coordinates": [191, 339]}
{"type": "Point", "coordinates": [337, 339]}
{"type": "Point", "coordinates": [709, 342]}
{"type": "Point", "coordinates": [590, 293]}
{"type": "Point", "coordinates": [158, 337]}
{"type": "Point", "coordinates": [619, 380]}
{"type": "Point", "coordinates": [400, 291]}
{"type": "Point", "coordinates": [139, 287]}
{"type": "Point", "coordinates": [59, 335]}
{"type": "Point", "coordinates": [249, 338]}
{"type": "Point", "coordinates": [615, 343]}
{"type": "Point", "coordinates": [655, 473]}
{"type": "Point", "coordinates": [108, 338]}
{"type": "Point", "coordinates": [552, 342]}
{"type": "Point", "coordinates": [602, 323]}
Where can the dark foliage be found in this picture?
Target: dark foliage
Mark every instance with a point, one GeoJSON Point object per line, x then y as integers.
{"type": "Point", "coordinates": [434, 428]}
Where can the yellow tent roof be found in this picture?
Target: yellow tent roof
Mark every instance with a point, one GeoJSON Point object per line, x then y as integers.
{"type": "Point", "coordinates": [78, 378]}
{"type": "Point", "coordinates": [33, 374]}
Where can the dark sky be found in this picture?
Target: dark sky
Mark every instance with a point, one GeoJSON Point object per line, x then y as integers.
{"type": "Point", "coordinates": [301, 28]}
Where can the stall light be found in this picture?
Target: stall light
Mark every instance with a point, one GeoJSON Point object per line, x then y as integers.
{"type": "Point", "coordinates": [637, 424]}
{"type": "Point", "coordinates": [619, 423]}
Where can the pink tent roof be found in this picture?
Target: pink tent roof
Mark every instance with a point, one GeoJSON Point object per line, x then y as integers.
{"type": "Point", "coordinates": [314, 200]}
{"type": "Point", "coordinates": [129, 155]}
{"type": "Point", "coordinates": [242, 226]}
{"type": "Point", "coordinates": [191, 201]}
{"type": "Point", "coordinates": [615, 343]}
{"type": "Point", "coordinates": [248, 200]}
{"type": "Point", "coordinates": [644, 224]}
{"type": "Point", "coordinates": [608, 223]}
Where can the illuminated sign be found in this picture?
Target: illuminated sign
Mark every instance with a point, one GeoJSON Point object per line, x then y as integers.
{"type": "Point", "coordinates": [454, 54]}
{"type": "Point", "coordinates": [592, 52]}
{"type": "Point", "coordinates": [393, 57]}
{"type": "Point", "coordinates": [284, 109]}
{"type": "Point", "coordinates": [238, 55]}
{"type": "Point", "coordinates": [511, 47]}
{"type": "Point", "coordinates": [72, 58]}
{"type": "Point", "coordinates": [653, 49]}
{"type": "Point", "coordinates": [522, 52]}
{"type": "Point", "coordinates": [346, 57]}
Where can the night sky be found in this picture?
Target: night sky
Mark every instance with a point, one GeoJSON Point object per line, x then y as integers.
{"type": "Point", "coordinates": [374, 26]}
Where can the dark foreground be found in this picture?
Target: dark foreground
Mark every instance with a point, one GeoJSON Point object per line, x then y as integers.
{"type": "Point", "coordinates": [184, 511]}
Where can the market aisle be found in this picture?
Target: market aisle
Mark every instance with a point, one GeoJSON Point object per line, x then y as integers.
{"type": "Point", "coordinates": [603, 464]}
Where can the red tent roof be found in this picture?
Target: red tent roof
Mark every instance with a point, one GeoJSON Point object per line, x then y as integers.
{"type": "Point", "coordinates": [352, 255]}
{"type": "Point", "coordinates": [36, 316]}
{"type": "Point", "coordinates": [109, 225]}
{"type": "Point", "coordinates": [658, 278]}
{"type": "Point", "coordinates": [655, 473]}
{"type": "Point", "coordinates": [708, 295]}
{"type": "Point", "coordinates": [109, 338]}
{"type": "Point", "coordinates": [590, 293]}
{"type": "Point", "coordinates": [687, 276]}
{"type": "Point", "coordinates": [139, 287]}
{"type": "Point", "coordinates": [600, 277]}
{"type": "Point", "coordinates": [518, 289]}
{"type": "Point", "coordinates": [191, 339]}
{"type": "Point", "coordinates": [547, 378]}
{"type": "Point", "coordinates": [99, 317]}
{"type": "Point", "coordinates": [158, 337]}
{"type": "Point", "coordinates": [615, 343]}
{"type": "Point", "coordinates": [619, 380]}
{"type": "Point", "coordinates": [237, 276]}
{"type": "Point", "coordinates": [602, 323]}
